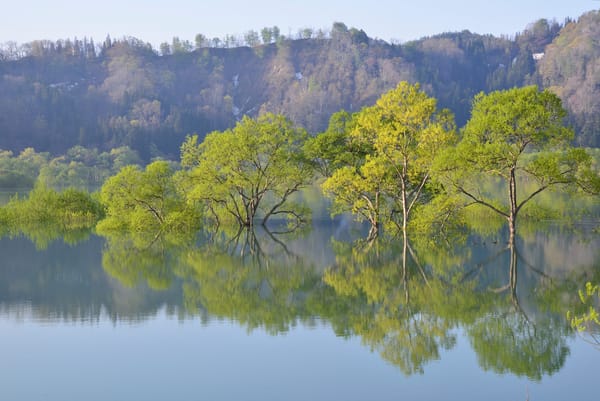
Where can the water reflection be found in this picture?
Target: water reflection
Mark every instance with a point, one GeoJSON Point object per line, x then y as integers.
{"type": "Point", "coordinates": [385, 304]}
{"type": "Point", "coordinates": [65, 282]}
{"type": "Point", "coordinates": [42, 235]}
{"type": "Point", "coordinates": [142, 258]}
{"type": "Point", "coordinates": [408, 304]}
{"type": "Point", "coordinates": [258, 282]}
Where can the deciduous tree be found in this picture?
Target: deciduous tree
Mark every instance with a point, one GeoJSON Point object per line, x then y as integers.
{"type": "Point", "coordinates": [402, 134]}
{"type": "Point", "coordinates": [517, 135]}
{"type": "Point", "coordinates": [146, 200]}
{"type": "Point", "coordinates": [256, 166]}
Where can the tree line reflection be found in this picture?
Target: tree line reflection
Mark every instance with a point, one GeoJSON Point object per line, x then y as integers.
{"type": "Point", "coordinates": [407, 301]}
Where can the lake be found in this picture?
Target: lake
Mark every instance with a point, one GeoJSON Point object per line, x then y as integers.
{"type": "Point", "coordinates": [309, 316]}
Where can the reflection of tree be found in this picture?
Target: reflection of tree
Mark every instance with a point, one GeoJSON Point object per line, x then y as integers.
{"type": "Point", "coordinates": [142, 257]}
{"type": "Point", "coordinates": [408, 317]}
{"type": "Point", "coordinates": [407, 338]}
{"type": "Point", "coordinates": [252, 278]}
{"type": "Point", "coordinates": [399, 326]}
{"type": "Point", "coordinates": [404, 304]}
{"type": "Point", "coordinates": [66, 283]}
{"type": "Point", "coordinates": [506, 339]}
{"type": "Point", "coordinates": [260, 244]}
{"type": "Point", "coordinates": [42, 235]}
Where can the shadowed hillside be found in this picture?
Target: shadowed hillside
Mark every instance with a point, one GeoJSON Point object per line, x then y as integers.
{"type": "Point", "coordinates": [54, 95]}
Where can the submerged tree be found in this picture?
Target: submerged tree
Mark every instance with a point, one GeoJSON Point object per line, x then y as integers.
{"type": "Point", "coordinates": [401, 135]}
{"type": "Point", "coordinates": [45, 215]}
{"type": "Point", "coordinates": [146, 200]}
{"type": "Point", "coordinates": [517, 135]}
{"type": "Point", "coordinates": [254, 167]}
{"type": "Point", "coordinates": [360, 191]}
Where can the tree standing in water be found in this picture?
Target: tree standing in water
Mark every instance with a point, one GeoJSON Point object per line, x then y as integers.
{"type": "Point", "coordinates": [517, 135]}
{"type": "Point", "coordinates": [400, 136]}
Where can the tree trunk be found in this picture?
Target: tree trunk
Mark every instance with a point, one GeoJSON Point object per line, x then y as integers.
{"type": "Point", "coordinates": [512, 221]}
{"type": "Point", "coordinates": [511, 229]}
{"type": "Point", "coordinates": [250, 207]}
{"type": "Point", "coordinates": [373, 218]}
{"type": "Point", "coordinates": [512, 215]}
{"type": "Point", "coordinates": [404, 267]}
{"type": "Point", "coordinates": [373, 231]}
{"type": "Point", "coordinates": [404, 212]}
{"type": "Point", "coordinates": [513, 269]}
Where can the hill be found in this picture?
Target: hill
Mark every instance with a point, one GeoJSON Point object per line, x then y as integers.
{"type": "Point", "coordinates": [54, 95]}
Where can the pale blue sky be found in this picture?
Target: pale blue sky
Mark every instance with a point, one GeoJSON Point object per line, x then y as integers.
{"type": "Point", "coordinates": [156, 21]}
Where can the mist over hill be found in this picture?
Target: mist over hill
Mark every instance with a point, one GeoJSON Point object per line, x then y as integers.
{"type": "Point", "coordinates": [55, 95]}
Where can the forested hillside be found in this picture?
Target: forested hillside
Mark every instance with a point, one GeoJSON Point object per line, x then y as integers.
{"type": "Point", "coordinates": [571, 68]}
{"type": "Point", "coordinates": [55, 95]}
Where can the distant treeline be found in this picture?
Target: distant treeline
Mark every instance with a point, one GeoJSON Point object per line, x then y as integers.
{"type": "Point", "coordinates": [87, 48]}
{"type": "Point", "coordinates": [79, 167]}
{"type": "Point", "coordinates": [57, 95]}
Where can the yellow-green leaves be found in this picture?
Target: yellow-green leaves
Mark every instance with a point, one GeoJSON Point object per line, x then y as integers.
{"type": "Point", "coordinates": [333, 149]}
{"type": "Point", "coordinates": [249, 170]}
{"type": "Point", "coordinates": [146, 200]}
{"type": "Point", "coordinates": [516, 136]}
{"type": "Point", "coordinates": [588, 297]}
{"type": "Point", "coordinates": [505, 125]}
{"type": "Point", "coordinates": [358, 191]}
{"type": "Point", "coordinates": [401, 135]}
{"type": "Point", "coordinates": [46, 214]}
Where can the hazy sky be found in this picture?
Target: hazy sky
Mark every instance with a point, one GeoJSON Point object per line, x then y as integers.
{"type": "Point", "coordinates": [157, 21]}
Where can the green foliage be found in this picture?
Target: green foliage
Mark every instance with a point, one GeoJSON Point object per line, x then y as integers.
{"type": "Point", "coordinates": [439, 219]}
{"type": "Point", "coordinates": [253, 168]}
{"type": "Point", "coordinates": [146, 200]}
{"type": "Point", "coordinates": [589, 298]}
{"type": "Point", "coordinates": [516, 136]}
{"type": "Point", "coordinates": [402, 134]}
{"type": "Point", "coordinates": [45, 215]}
{"type": "Point", "coordinates": [190, 152]}
{"type": "Point", "coordinates": [86, 168]}
{"type": "Point", "coordinates": [70, 207]}
{"type": "Point", "coordinates": [358, 192]}
{"type": "Point", "coordinates": [333, 148]}
{"type": "Point", "coordinates": [79, 168]}
{"type": "Point", "coordinates": [21, 171]}
{"type": "Point", "coordinates": [505, 124]}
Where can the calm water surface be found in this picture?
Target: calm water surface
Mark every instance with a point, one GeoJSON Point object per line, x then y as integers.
{"type": "Point", "coordinates": [310, 317]}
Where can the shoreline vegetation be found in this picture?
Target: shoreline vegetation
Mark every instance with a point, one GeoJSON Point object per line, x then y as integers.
{"type": "Point", "coordinates": [400, 165]}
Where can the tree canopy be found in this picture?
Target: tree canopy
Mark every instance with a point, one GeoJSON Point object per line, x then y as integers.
{"type": "Point", "coordinates": [517, 136]}
{"type": "Point", "coordinates": [401, 136]}
{"type": "Point", "coordinates": [146, 200]}
{"type": "Point", "coordinates": [250, 170]}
